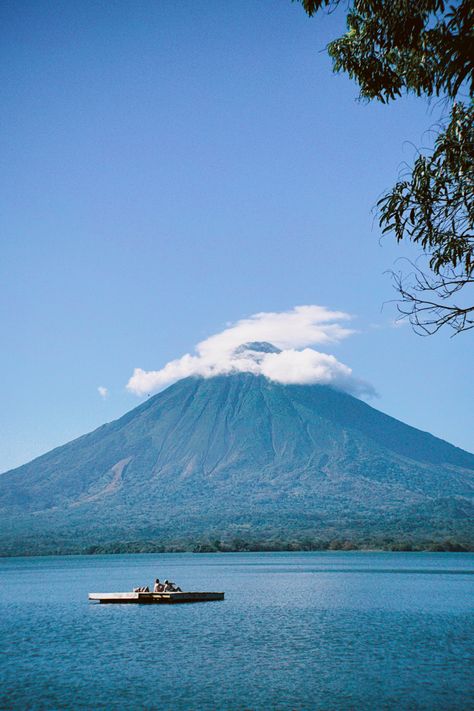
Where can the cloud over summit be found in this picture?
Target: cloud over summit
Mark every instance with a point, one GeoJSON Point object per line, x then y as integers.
{"type": "Point", "coordinates": [273, 344]}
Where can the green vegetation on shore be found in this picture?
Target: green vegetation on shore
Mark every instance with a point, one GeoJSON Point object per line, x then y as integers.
{"type": "Point", "coordinates": [243, 545]}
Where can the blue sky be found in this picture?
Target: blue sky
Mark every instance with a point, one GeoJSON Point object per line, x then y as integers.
{"type": "Point", "coordinates": [168, 168]}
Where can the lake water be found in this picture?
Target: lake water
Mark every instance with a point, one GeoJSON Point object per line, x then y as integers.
{"type": "Point", "coordinates": [296, 631]}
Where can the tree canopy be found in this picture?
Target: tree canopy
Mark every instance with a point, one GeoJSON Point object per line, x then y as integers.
{"type": "Point", "coordinates": [425, 47]}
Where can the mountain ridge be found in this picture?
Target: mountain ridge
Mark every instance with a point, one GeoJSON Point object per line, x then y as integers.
{"type": "Point", "coordinates": [215, 455]}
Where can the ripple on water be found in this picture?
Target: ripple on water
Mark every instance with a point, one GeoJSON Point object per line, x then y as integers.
{"type": "Point", "coordinates": [296, 631]}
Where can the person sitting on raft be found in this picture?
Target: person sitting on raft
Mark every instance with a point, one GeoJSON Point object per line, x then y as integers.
{"type": "Point", "coordinates": [158, 587]}
{"type": "Point", "coordinates": [170, 587]}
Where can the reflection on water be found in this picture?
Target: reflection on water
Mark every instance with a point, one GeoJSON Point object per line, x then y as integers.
{"type": "Point", "coordinates": [296, 631]}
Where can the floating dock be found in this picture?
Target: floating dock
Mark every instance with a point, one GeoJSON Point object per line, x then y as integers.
{"type": "Point", "coordinates": [151, 598]}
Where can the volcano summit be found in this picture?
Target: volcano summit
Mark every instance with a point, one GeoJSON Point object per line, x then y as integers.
{"type": "Point", "coordinates": [239, 455]}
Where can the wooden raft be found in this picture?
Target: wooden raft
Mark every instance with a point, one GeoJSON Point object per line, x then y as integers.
{"type": "Point", "coordinates": [147, 598]}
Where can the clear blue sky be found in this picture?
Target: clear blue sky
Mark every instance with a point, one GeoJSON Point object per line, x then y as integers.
{"type": "Point", "coordinates": [168, 167]}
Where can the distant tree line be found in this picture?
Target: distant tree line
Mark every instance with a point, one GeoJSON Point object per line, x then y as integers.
{"type": "Point", "coordinates": [242, 545]}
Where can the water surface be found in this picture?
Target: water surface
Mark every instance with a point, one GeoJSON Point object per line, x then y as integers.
{"type": "Point", "coordinates": [296, 631]}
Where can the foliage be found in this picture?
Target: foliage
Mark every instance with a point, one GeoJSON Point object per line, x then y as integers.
{"type": "Point", "coordinates": [393, 47]}
{"type": "Point", "coordinates": [254, 544]}
{"type": "Point", "coordinates": [434, 207]}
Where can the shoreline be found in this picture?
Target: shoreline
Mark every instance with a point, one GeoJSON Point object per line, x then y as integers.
{"type": "Point", "coordinates": [199, 549]}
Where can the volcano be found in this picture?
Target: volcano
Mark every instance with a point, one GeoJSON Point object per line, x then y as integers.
{"type": "Point", "coordinates": [240, 455]}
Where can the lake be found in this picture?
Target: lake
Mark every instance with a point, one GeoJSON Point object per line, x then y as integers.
{"type": "Point", "coordinates": [342, 630]}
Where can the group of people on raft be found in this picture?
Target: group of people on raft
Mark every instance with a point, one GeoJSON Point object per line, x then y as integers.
{"type": "Point", "coordinates": [166, 586]}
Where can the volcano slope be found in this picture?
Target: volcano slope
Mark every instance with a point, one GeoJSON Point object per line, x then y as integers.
{"type": "Point", "coordinates": [240, 456]}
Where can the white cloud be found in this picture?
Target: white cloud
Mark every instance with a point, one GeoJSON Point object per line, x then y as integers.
{"type": "Point", "coordinates": [306, 366]}
{"type": "Point", "coordinates": [103, 392]}
{"type": "Point", "coordinates": [289, 331]}
{"type": "Point", "coordinates": [302, 326]}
